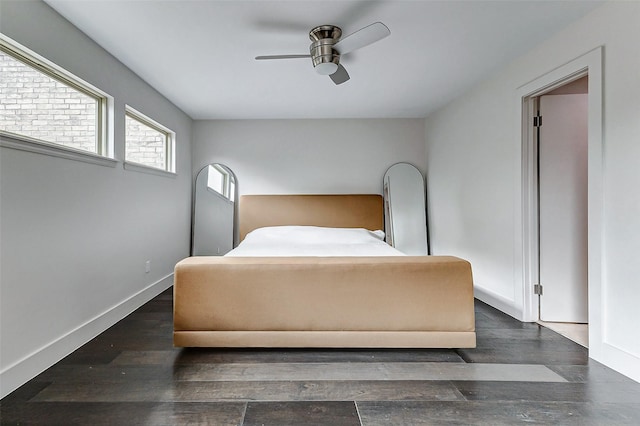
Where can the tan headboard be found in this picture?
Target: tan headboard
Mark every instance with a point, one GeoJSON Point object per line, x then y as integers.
{"type": "Point", "coordinates": [337, 211]}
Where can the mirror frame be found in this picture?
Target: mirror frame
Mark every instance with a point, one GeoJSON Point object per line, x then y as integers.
{"type": "Point", "coordinates": [388, 210]}
{"type": "Point", "coordinates": [215, 193]}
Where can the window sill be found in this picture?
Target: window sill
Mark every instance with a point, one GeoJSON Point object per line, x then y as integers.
{"type": "Point", "coordinates": [12, 141]}
{"type": "Point", "coordinates": [136, 167]}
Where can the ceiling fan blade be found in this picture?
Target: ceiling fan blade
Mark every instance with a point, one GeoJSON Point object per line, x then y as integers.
{"type": "Point", "coordinates": [260, 58]}
{"type": "Point", "coordinates": [340, 76]}
{"type": "Point", "coordinates": [361, 38]}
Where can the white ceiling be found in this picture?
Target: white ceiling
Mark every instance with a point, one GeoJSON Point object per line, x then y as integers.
{"type": "Point", "coordinates": [200, 54]}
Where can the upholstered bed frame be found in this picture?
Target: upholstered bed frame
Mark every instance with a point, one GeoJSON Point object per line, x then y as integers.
{"type": "Point", "coordinates": [375, 302]}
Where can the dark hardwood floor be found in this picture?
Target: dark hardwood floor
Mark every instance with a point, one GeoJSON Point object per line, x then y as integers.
{"type": "Point", "coordinates": [131, 375]}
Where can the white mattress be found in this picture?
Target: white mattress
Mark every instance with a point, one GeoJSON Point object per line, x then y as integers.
{"type": "Point", "coordinates": [313, 241]}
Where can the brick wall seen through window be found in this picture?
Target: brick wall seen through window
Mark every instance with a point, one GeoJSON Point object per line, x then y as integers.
{"type": "Point", "coordinates": [35, 105]}
{"type": "Point", "coordinates": [145, 144]}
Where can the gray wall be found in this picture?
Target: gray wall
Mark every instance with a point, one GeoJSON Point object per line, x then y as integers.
{"type": "Point", "coordinates": [474, 179]}
{"type": "Point", "coordinates": [309, 156]}
{"type": "Point", "coordinates": [76, 236]}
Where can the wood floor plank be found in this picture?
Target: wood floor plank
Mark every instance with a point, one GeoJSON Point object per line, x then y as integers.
{"type": "Point", "coordinates": [592, 372]}
{"type": "Point", "coordinates": [106, 374]}
{"type": "Point", "coordinates": [329, 413]}
{"type": "Point", "coordinates": [523, 355]}
{"type": "Point", "coordinates": [529, 391]}
{"type": "Point", "coordinates": [125, 413]}
{"type": "Point", "coordinates": [366, 371]}
{"type": "Point", "coordinates": [167, 391]}
{"type": "Point", "coordinates": [224, 355]}
{"type": "Point", "coordinates": [496, 413]}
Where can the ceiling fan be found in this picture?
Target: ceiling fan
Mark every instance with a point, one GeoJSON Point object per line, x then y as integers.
{"type": "Point", "coordinates": [327, 46]}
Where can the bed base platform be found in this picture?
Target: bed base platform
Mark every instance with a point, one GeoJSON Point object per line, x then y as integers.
{"type": "Point", "coordinates": [293, 302]}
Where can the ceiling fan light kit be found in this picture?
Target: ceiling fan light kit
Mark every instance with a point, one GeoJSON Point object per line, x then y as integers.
{"type": "Point", "coordinates": [326, 68]}
{"type": "Point", "coordinates": [326, 48]}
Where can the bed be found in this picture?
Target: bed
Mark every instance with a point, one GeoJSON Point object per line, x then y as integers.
{"type": "Point", "coordinates": [298, 298]}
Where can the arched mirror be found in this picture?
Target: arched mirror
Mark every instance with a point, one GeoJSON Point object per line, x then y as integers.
{"type": "Point", "coordinates": [405, 209]}
{"type": "Point", "coordinates": [214, 211]}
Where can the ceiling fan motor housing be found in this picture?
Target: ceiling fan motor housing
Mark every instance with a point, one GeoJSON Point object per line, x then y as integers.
{"type": "Point", "coordinates": [325, 58]}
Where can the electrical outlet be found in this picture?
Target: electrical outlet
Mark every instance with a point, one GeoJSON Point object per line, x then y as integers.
{"type": "Point", "coordinates": [147, 266]}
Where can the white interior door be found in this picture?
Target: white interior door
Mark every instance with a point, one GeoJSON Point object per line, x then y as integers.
{"type": "Point", "coordinates": [563, 208]}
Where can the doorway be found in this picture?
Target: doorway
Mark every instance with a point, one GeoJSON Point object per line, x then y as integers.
{"type": "Point", "coordinates": [562, 203]}
{"type": "Point", "coordinates": [560, 133]}
{"type": "Point", "coordinates": [589, 63]}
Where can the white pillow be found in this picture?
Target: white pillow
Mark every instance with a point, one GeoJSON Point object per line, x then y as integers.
{"type": "Point", "coordinates": [315, 235]}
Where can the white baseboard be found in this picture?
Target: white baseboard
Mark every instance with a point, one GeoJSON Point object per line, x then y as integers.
{"type": "Point", "coordinates": [499, 302]}
{"type": "Point", "coordinates": [617, 359]}
{"type": "Point", "coordinates": [35, 363]}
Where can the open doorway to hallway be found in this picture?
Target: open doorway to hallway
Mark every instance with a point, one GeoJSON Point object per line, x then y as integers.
{"type": "Point", "coordinates": [560, 132]}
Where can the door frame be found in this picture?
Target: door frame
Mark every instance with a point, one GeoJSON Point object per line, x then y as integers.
{"type": "Point", "coordinates": [589, 64]}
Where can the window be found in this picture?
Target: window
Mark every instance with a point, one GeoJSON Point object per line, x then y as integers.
{"type": "Point", "coordinates": [216, 179]}
{"type": "Point", "coordinates": [147, 142]}
{"type": "Point", "coordinates": [43, 103]}
{"type": "Point", "coordinates": [221, 181]}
